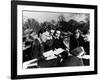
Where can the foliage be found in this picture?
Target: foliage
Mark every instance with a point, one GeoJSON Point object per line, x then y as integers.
{"type": "Point", "coordinates": [31, 24]}
{"type": "Point", "coordinates": [61, 23]}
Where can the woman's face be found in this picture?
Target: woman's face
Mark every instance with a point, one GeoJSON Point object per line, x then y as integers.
{"type": "Point", "coordinates": [45, 36]}
{"type": "Point", "coordinates": [77, 34]}
{"type": "Point", "coordinates": [34, 35]}
{"type": "Point", "coordinates": [52, 32]}
{"type": "Point", "coordinates": [86, 37]}
{"type": "Point", "coordinates": [57, 34]}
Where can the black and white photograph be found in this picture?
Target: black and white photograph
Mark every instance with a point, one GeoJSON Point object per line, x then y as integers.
{"type": "Point", "coordinates": [55, 39]}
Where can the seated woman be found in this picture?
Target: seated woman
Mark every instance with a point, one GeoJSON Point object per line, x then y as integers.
{"type": "Point", "coordinates": [87, 49]}
{"type": "Point", "coordinates": [74, 59]}
{"type": "Point", "coordinates": [58, 43]}
{"type": "Point", "coordinates": [76, 40]}
{"type": "Point", "coordinates": [39, 47]}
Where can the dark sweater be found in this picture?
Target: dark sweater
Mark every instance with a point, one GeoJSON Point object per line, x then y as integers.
{"type": "Point", "coordinates": [72, 61]}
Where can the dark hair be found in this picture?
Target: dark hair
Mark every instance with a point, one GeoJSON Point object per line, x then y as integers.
{"type": "Point", "coordinates": [76, 51]}
{"type": "Point", "coordinates": [58, 30]}
{"type": "Point", "coordinates": [41, 31]}
{"type": "Point", "coordinates": [78, 30]}
{"type": "Point", "coordinates": [86, 32]}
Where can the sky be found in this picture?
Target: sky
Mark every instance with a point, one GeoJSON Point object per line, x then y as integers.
{"type": "Point", "coordinates": [48, 16]}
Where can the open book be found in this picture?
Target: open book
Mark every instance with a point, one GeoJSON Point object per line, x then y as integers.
{"type": "Point", "coordinates": [49, 55]}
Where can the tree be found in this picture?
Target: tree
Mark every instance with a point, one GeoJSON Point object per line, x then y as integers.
{"type": "Point", "coordinates": [62, 23]}
{"type": "Point", "coordinates": [32, 24]}
{"type": "Point", "coordinates": [47, 25]}
{"type": "Point", "coordinates": [61, 18]}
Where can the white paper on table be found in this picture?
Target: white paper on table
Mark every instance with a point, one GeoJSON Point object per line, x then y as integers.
{"type": "Point", "coordinates": [58, 51]}
{"type": "Point", "coordinates": [48, 53]}
{"type": "Point", "coordinates": [86, 57]}
{"type": "Point", "coordinates": [25, 64]}
{"type": "Point", "coordinates": [51, 57]}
